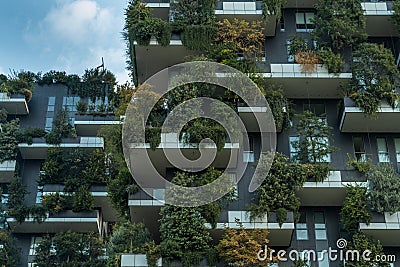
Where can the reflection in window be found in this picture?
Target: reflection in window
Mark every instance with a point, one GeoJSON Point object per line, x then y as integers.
{"type": "Point", "coordinates": [293, 140]}
{"type": "Point", "coordinates": [304, 21]}
{"type": "Point", "coordinates": [301, 227]}
{"type": "Point", "coordinates": [319, 225]}
{"type": "Point", "coordinates": [359, 149]}
{"type": "Point", "coordinates": [383, 154]}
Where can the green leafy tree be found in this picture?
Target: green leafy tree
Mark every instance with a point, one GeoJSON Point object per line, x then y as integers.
{"type": "Point", "coordinates": [44, 255]}
{"type": "Point", "coordinates": [340, 23]}
{"type": "Point", "coordinates": [184, 236]}
{"type": "Point", "coordinates": [277, 191]}
{"type": "Point", "coordinates": [8, 140]}
{"type": "Point", "coordinates": [9, 254]}
{"type": "Point", "coordinates": [384, 188]}
{"type": "Point", "coordinates": [15, 203]}
{"type": "Point", "coordinates": [315, 136]}
{"type": "Point", "coordinates": [362, 242]}
{"type": "Point", "coordinates": [354, 210]}
{"type": "Point", "coordinates": [187, 12]}
{"type": "Point", "coordinates": [127, 237]}
{"type": "Point", "coordinates": [374, 76]}
{"type": "Point", "coordinates": [83, 200]}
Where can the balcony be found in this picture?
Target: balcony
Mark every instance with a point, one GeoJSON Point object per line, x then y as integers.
{"type": "Point", "coordinates": [298, 84]}
{"type": "Point", "coordinates": [278, 235]}
{"type": "Point", "coordinates": [300, 4]}
{"type": "Point", "coordinates": [354, 120]}
{"type": "Point", "coordinates": [159, 8]}
{"type": "Point", "coordinates": [331, 192]}
{"type": "Point", "coordinates": [154, 57]}
{"type": "Point", "coordinates": [173, 146]}
{"type": "Point", "coordinates": [14, 104]}
{"type": "Point", "coordinates": [7, 169]}
{"type": "Point", "coordinates": [38, 149]}
{"type": "Point", "coordinates": [82, 222]}
{"type": "Point", "coordinates": [379, 18]}
{"type": "Point", "coordinates": [385, 228]}
{"type": "Point", "coordinates": [89, 125]}
{"type": "Point", "coordinates": [251, 116]}
{"type": "Point", "coordinates": [101, 199]}
{"type": "Point", "coordinates": [136, 260]}
{"type": "Point", "coordinates": [245, 10]}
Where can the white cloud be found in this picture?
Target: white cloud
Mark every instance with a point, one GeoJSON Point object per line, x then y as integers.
{"type": "Point", "coordinates": [74, 35]}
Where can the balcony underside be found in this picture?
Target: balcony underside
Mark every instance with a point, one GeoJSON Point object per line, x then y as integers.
{"type": "Point", "coordinates": [389, 236]}
{"type": "Point", "coordinates": [154, 58]}
{"type": "Point", "coordinates": [161, 163]}
{"type": "Point", "coordinates": [14, 106]}
{"type": "Point", "coordinates": [250, 117]}
{"type": "Point", "coordinates": [82, 224]}
{"type": "Point", "coordinates": [299, 84]}
{"type": "Point", "coordinates": [355, 121]}
{"type": "Point", "coordinates": [7, 169]}
{"type": "Point", "coordinates": [91, 128]}
{"type": "Point", "coordinates": [300, 4]}
{"type": "Point", "coordinates": [160, 10]}
{"type": "Point", "coordinates": [381, 26]}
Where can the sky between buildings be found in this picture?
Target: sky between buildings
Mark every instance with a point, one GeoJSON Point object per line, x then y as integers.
{"type": "Point", "coordinates": [65, 35]}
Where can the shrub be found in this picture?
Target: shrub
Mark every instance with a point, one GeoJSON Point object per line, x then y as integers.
{"type": "Point", "coordinates": [354, 210]}
{"type": "Point", "coordinates": [384, 188]}
{"type": "Point", "coordinates": [83, 200]}
{"type": "Point", "coordinates": [198, 37]}
{"type": "Point", "coordinates": [308, 60]}
{"type": "Point", "coordinates": [297, 44]}
{"type": "Point", "coordinates": [81, 107]}
{"type": "Point", "coordinates": [333, 62]}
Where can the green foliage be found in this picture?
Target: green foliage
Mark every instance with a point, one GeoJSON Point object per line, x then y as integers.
{"type": "Point", "coordinates": [75, 249]}
{"type": "Point", "coordinates": [188, 13]}
{"type": "Point", "coordinates": [361, 243]}
{"type": "Point", "coordinates": [15, 203]}
{"type": "Point", "coordinates": [333, 62]}
{"type": "Point", "coordinates": [19, 83]}
{"type": "Point", "coordinates": [277, 191]}
{"type": "Point", "coordinates": [8, 140]}
{"type": "Point", "coordinates": [384, 188]}
{"type": "Point", "coordinates": [183, 231]}
{"type": "Point", "coordinates": [198, 37]}
{"type": "Point", "coordinates": [62, 128]}
{"type": "Point", "coordinates": [27, 135]}
{"type": "Point", "coordinates": [56, 202]}
{"type": "Point", "coordinates": [272, 7]}
{"type": "Point", "coordinates": [128, 237]}
{"type": "Point", "coordinates": [340, 23]}
{"type": "Point", "coordinates": [153, 136]}
{"type": "Point", "coordinates": [142, 31]}
{"type": "Point", "coordinates": [3, 115]}
{"type": "Point", "coordinates": [314, 134]}
{"type": "Point", "coordinates": [83, 200]}
{"type": "Point", "coordinates": [81, 107]}
{"type": "Point", "coordinates": [120, 182]}
{"type": "Point", "coordinates": [396, 14]}
{"type": "Point", "coordinates": [152, 253]}
{"type": "Point", "coordinates": [281, 215]}
{"type": "Point", "coordinates": [354, 210]}
{"type": "Point", "coordinates": [374, 77]}
{"type": "Point", "coordinates": [9, 254]}
{"type": "Point", "coordinates": [297, 44]}
{"type": "Point", "coordinates": [124, 95]}
{"type": "Point", "coordinates": [210, 212]}
{"type": "Point", "coordinates": [361, 166]}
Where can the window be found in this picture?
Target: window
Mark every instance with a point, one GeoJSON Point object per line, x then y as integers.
{"type": "Point", "coordinates": [248, 156]}
{"type": "Point", "coordinates": [282, 23]}
{"type": "Point", "coordinates": [39, 194]}
{"type": "Point", "coordinates": [35, 240]}
{"type": "Point", "coordinates": [301, 227]}
{"type": "Point", "coordinates": [232, 175]}
{"type": "Point", "coordinates": [320, 227]}
{"type": "Point", "coordinates": [321, 143]}
{"type": "Point", "coordinates": [290, 57]}
{"type": "Point", "coordinates": [323, 259]}
{"type": "Point", "coordinates": [69, 103]}
{"type": "Point", "coordinates": [383, 154]}
{"type": "Point", "coordinates": [397, 146]}
{"type": "Point", "coordinates": [293, 150]}
{"type": "Point", "coordinates": [359, 149]}
{"type": "Point", "coordinates": [304, 21]}
{"type": "Point", "coordinates": [49, 124]}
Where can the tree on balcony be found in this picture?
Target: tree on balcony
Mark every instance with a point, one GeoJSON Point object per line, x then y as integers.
{"type": "Point", "coordinates": [315, 134]}
{"type": "Point", "coordinates": [184, 236]}
{"type": "Point", "coordinates": [375, 75]}
{"type": "Point", "coordinates": [238, 247]}
{"type": "Point", "coordinates": [339, 23]}
{"type": "Point", "coordinates": [70, 249]}
{"type": "Point", "coordinates": [384, 188]}
{"type": "Point", "coordinates": [8, 140]}
{"type": "Point", "coordinates": [9, 253]}
{"type": "Point", "coordinates": [354, 210]}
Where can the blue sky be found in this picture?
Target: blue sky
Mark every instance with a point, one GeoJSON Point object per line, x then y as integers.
{"type": "Point", "coordinates": [67, 35]}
